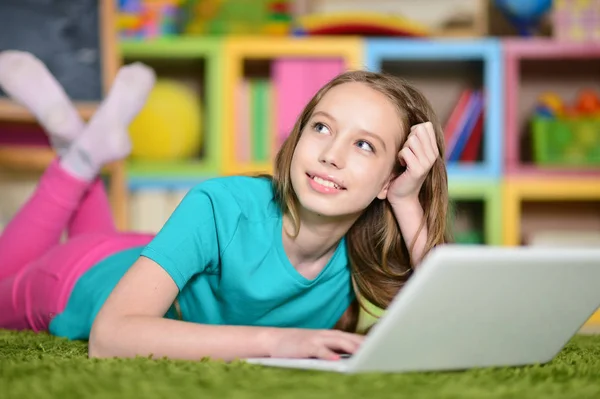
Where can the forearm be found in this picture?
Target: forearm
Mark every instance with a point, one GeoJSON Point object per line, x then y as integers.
{"type": "Point", "coordinates": [159, 337]}
{"type": "Point", "coordinates": [409, 215]}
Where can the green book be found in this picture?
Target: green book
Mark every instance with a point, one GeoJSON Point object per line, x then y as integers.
{"type": "Point", "coordinates": [260, 101]}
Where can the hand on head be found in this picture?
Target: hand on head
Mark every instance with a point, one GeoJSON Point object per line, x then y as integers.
{"type": "Point", "coordinates": [418, 155]}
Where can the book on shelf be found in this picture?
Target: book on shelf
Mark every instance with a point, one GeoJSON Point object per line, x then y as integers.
{"type": "Point", "coordinates": [253, 124]}
{"type": "Point", "coordinates": [463, 131]}
{"type": "Point", "coordinates": [267, 107]}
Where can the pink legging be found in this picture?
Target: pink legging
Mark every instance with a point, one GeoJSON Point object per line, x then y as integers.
{"type": "Point", "coordinates": [37, 271]}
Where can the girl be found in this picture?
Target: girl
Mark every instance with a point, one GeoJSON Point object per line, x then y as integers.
{"type": "Point", "coordinates": [245, 266]}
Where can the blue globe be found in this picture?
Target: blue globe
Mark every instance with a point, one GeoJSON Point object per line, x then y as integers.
{"type": "Point", "coordinates": [524, 14]}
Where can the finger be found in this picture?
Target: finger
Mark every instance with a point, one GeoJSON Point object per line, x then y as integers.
{"type": "Point", "coordinates": [417, 147]}
{"type": "Point", "coordinates": [426, 129]}
{"type": "Point", "coordinates": [355, 337]}
{"type": "Point", "coordinates": [342, 345]}
{"type": "Point", "coordinates": [431, 136]}
{"type": "Point", "coordinates": [323, 352]}
{"type": "Point", "coordinates": [409, 160]}
{"type": "Point", "coordinates": [358, 339]}
{"type": "Point", "coordinates": [418, 126]}
{"type": "Point", "coordinates": [429, 149]}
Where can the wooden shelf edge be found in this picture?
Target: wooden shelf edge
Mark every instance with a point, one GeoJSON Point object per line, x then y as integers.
{"type": "Point", "coordinates": [34, 158]}
{"type": "Point", "coordinates": [555, 189]}
{"type": "Point", "coordinates": [26, 158]}
{"type": "Point", "coordinates": [12, 112]}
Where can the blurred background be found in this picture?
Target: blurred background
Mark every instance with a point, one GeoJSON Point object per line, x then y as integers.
{"type": "Point", "coordinates": [515, 84]}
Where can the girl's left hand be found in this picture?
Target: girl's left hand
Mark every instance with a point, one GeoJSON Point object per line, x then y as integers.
{"type": "Point", "coordinates": [418, 156]}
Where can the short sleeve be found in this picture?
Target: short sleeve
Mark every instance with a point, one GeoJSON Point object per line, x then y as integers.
{"type": "Point", "coordinates": [189, 242]}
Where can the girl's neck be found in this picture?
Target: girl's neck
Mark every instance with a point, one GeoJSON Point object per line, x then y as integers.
{"type": "Point", "coordinates": [317, 239]}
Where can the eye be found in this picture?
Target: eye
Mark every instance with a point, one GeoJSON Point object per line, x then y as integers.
{"type": "Point", "coordinates": [318, 126]}
{"type": "Point", "coordinates": [365, 145]}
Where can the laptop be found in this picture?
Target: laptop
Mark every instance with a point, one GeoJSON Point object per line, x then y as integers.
{"type": "Point", "coordinates": [476, 306]}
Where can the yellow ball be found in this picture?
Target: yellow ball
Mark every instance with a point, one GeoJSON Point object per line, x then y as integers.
{"type": "Point", "coordinates": [168, 127]}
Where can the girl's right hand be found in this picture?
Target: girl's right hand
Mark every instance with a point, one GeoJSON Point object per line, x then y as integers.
{"type": "Point", "coordinates": [306, 343]}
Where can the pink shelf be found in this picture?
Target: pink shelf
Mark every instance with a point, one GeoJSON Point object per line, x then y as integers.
{"type": "Point", "coordinates": [541, 48]}
{"type": "Point", "coordinates": [523, 85]}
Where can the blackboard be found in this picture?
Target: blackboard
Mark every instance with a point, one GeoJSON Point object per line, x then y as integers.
{"type": "Point", "coordinates": [64, 34]}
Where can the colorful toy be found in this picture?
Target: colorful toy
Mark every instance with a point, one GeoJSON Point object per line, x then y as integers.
{"type": "Point", "coordinates": [223, 17]}
{"type": "Point", "coordinates": [588, 103]}
{"type": "Point", "coordinates": [576, 20]}
{"type": "Point", "coordinates": [148, 18]}
{"type": "Point", "coordinates": [524, 14]}
{"type": "Point", "coordinates": [169, 126]}
{"type": "Point", "coordinates": [550, 105]}
{"type": "Point", "coordinates": [358, 23]}
{"type": "Point", "coordinates": [567, 134]}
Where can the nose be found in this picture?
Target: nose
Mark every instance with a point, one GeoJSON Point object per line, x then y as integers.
{"type": "Point", "coordinates": [333, 154]}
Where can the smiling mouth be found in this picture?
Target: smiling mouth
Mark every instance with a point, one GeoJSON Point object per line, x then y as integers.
{"type": "Point", "coordinates": [325, 183]}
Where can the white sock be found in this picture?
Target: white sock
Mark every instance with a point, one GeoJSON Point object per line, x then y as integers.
{"type": "Point", "coordinates": [25, 79]}
{"type": "Point", "coordinates": [106, 139]}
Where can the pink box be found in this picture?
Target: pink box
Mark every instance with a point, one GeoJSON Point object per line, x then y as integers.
{"type": "Point", "coordinates": [576, 20]}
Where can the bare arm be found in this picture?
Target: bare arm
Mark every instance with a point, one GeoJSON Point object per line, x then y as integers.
{"type": "Point", "coordinates": [409, 215]}
{"type": "Point", "coordinates": [131, 323]}
{"type": "Point", "coordinates": [419, 154]}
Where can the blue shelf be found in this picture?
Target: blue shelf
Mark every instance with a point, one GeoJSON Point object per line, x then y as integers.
{"type": "Point", "coordinates": [480, 170]}
{"type": "Point", "coordinates": [488, 51]}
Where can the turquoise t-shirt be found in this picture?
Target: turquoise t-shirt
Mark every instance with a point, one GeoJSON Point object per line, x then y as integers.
{"type": "Point", "coordinates": [223, 248]}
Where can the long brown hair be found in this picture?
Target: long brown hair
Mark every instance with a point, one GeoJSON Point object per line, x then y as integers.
{"type": "Point", "coordinates": [379, 258]}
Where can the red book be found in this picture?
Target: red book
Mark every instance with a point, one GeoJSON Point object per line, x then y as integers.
{"type": "Point", "coordinates": [471, 150]}
{"type": "Point", "coordinates": [450, 130]}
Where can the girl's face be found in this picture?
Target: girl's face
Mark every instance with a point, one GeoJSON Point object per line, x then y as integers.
{"type": "Point", "coordinates": [346, 152]}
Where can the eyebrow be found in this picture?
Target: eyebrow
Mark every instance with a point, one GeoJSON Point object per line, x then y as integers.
{"type": "Point", "coordinates": [366, 132]}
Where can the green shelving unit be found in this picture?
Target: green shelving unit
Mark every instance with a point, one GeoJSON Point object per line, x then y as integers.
{"type": "Point", "coordinates": [176, 50]}
{"type": "Point", "coordinates": [489, 193]}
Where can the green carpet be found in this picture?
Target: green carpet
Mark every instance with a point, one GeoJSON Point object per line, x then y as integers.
{"type": "Point", "coordinates": [40, 366]}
